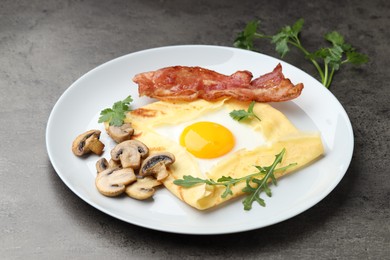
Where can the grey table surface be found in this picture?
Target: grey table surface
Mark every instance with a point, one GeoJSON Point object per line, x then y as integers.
{"type": "Point", "coordinates": [46, 45]}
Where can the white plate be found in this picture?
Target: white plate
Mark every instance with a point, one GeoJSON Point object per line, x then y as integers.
{"type": "Point", "coordinates": [316, 109]}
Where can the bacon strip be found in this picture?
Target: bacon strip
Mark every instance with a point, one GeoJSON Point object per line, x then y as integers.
{"type": "Point", "coordinates": [181, 83]}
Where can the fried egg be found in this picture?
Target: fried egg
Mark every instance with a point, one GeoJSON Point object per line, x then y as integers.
{"type": "Point", "coordinates": [208, 143]}
{"type": "Point", "coordinates": [207, 139]}
{"type": "Point", "coordinates": [211, 137]}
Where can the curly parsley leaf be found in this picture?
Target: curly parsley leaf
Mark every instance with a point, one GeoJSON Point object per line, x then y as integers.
{"type": "Point", "coordinates": [256, 183]}
{"type": "Point", "coordinates": [326, 60]}
{"type": "Point", "coordinates": [245, 38]}
{"type": "Point", "coordinates": [287, 35]}
{"type": "Point", "coordinates": [244, 114]}
{"type": "Point", "coordinates": [117, 114]}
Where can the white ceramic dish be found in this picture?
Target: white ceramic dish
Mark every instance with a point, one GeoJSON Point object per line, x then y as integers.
{"type": "Point", "coordinates": [316, 109]}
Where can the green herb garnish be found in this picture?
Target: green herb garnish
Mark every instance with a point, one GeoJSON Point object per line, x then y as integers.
{"type": "Point", "coordinates": [331, 57]}
{"type": "Point", "coordinates": [243, 114]}
{"type": "Point", "coordinates": [254, 186]}
{"type": "Point", "coordinates": [116, 115]}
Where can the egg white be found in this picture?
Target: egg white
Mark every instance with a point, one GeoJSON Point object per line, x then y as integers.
{"type": "Point", "coordinates": [245, 137]}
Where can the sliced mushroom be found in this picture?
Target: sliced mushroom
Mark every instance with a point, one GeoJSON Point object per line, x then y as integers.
{"type": "Point", "coordinates": [112, 182]}
{"type": "Point", "coordinates": [120, 133]}
{"type": "Point", "coordinates": [143, 188]}
{"type": "Point", "coordinates": [156, 165]}
{"type": "Point", "coordinates": [113, 164]}
{"type": "Point", "coordinates": [88, 142]}
{"type": "Point", "coordinates": [129, 153]}
{"type": "Point", "coordinates": [101, 165]}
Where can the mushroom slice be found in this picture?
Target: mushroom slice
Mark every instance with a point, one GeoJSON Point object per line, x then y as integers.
{"type": "Point", "coordinates": [113, 164]}
{"type": "Point", "coordinates": [156, 165]}
{"type": "Point", "coordinates": [143, 188]}
{"type": "Point", "coordinates": [101, 165]}
{"type": "Point", "coordinates": [120, 133]}
{"type": "Point", "coordinates": [112, 182]}
{"type": "Point", "coordinates": [129, 153]}
{"type": "Point", "coordinates": [88, 142]}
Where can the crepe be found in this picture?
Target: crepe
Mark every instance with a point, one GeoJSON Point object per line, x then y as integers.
{"type": "Point", "coordinates": [278, 132]}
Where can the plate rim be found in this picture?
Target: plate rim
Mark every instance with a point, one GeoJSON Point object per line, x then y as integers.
{"type": "Point", "coordinates": [175, 230]}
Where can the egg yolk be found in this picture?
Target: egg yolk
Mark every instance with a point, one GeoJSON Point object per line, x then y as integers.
{"type": "Point", "coordinates": [207, 140]}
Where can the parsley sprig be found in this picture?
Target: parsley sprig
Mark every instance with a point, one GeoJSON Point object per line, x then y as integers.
{"type": "Point", "coordinates": [331, 57]}
{"type": "Point", "coordinates": [243, 114]}
{"type": "Point", "coordinates": [116, 115]}
{"type": "Point", "coordinates": [256, 183]}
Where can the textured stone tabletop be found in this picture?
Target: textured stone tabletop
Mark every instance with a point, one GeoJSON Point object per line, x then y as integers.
{"type": "Point", "coordinates": [45, 45]}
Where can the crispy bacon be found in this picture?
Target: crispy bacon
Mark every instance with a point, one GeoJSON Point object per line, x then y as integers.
{"type": "Point", "coordinates": [180, 83]}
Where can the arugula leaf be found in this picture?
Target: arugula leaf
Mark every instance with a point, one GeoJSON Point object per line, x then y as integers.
{"type": "Point", "coordinates": [255, 183]}
{"type": "Point", "coordinates": [326, 60]}
{"type": "Point", "coordinates": [189, 181]}
{"type": "Point", "coordinates": [116, 115]}
{"type": "Point", "coordinates": [243, 114]}
{"type": "Point", "coordinates": [262, 185]}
